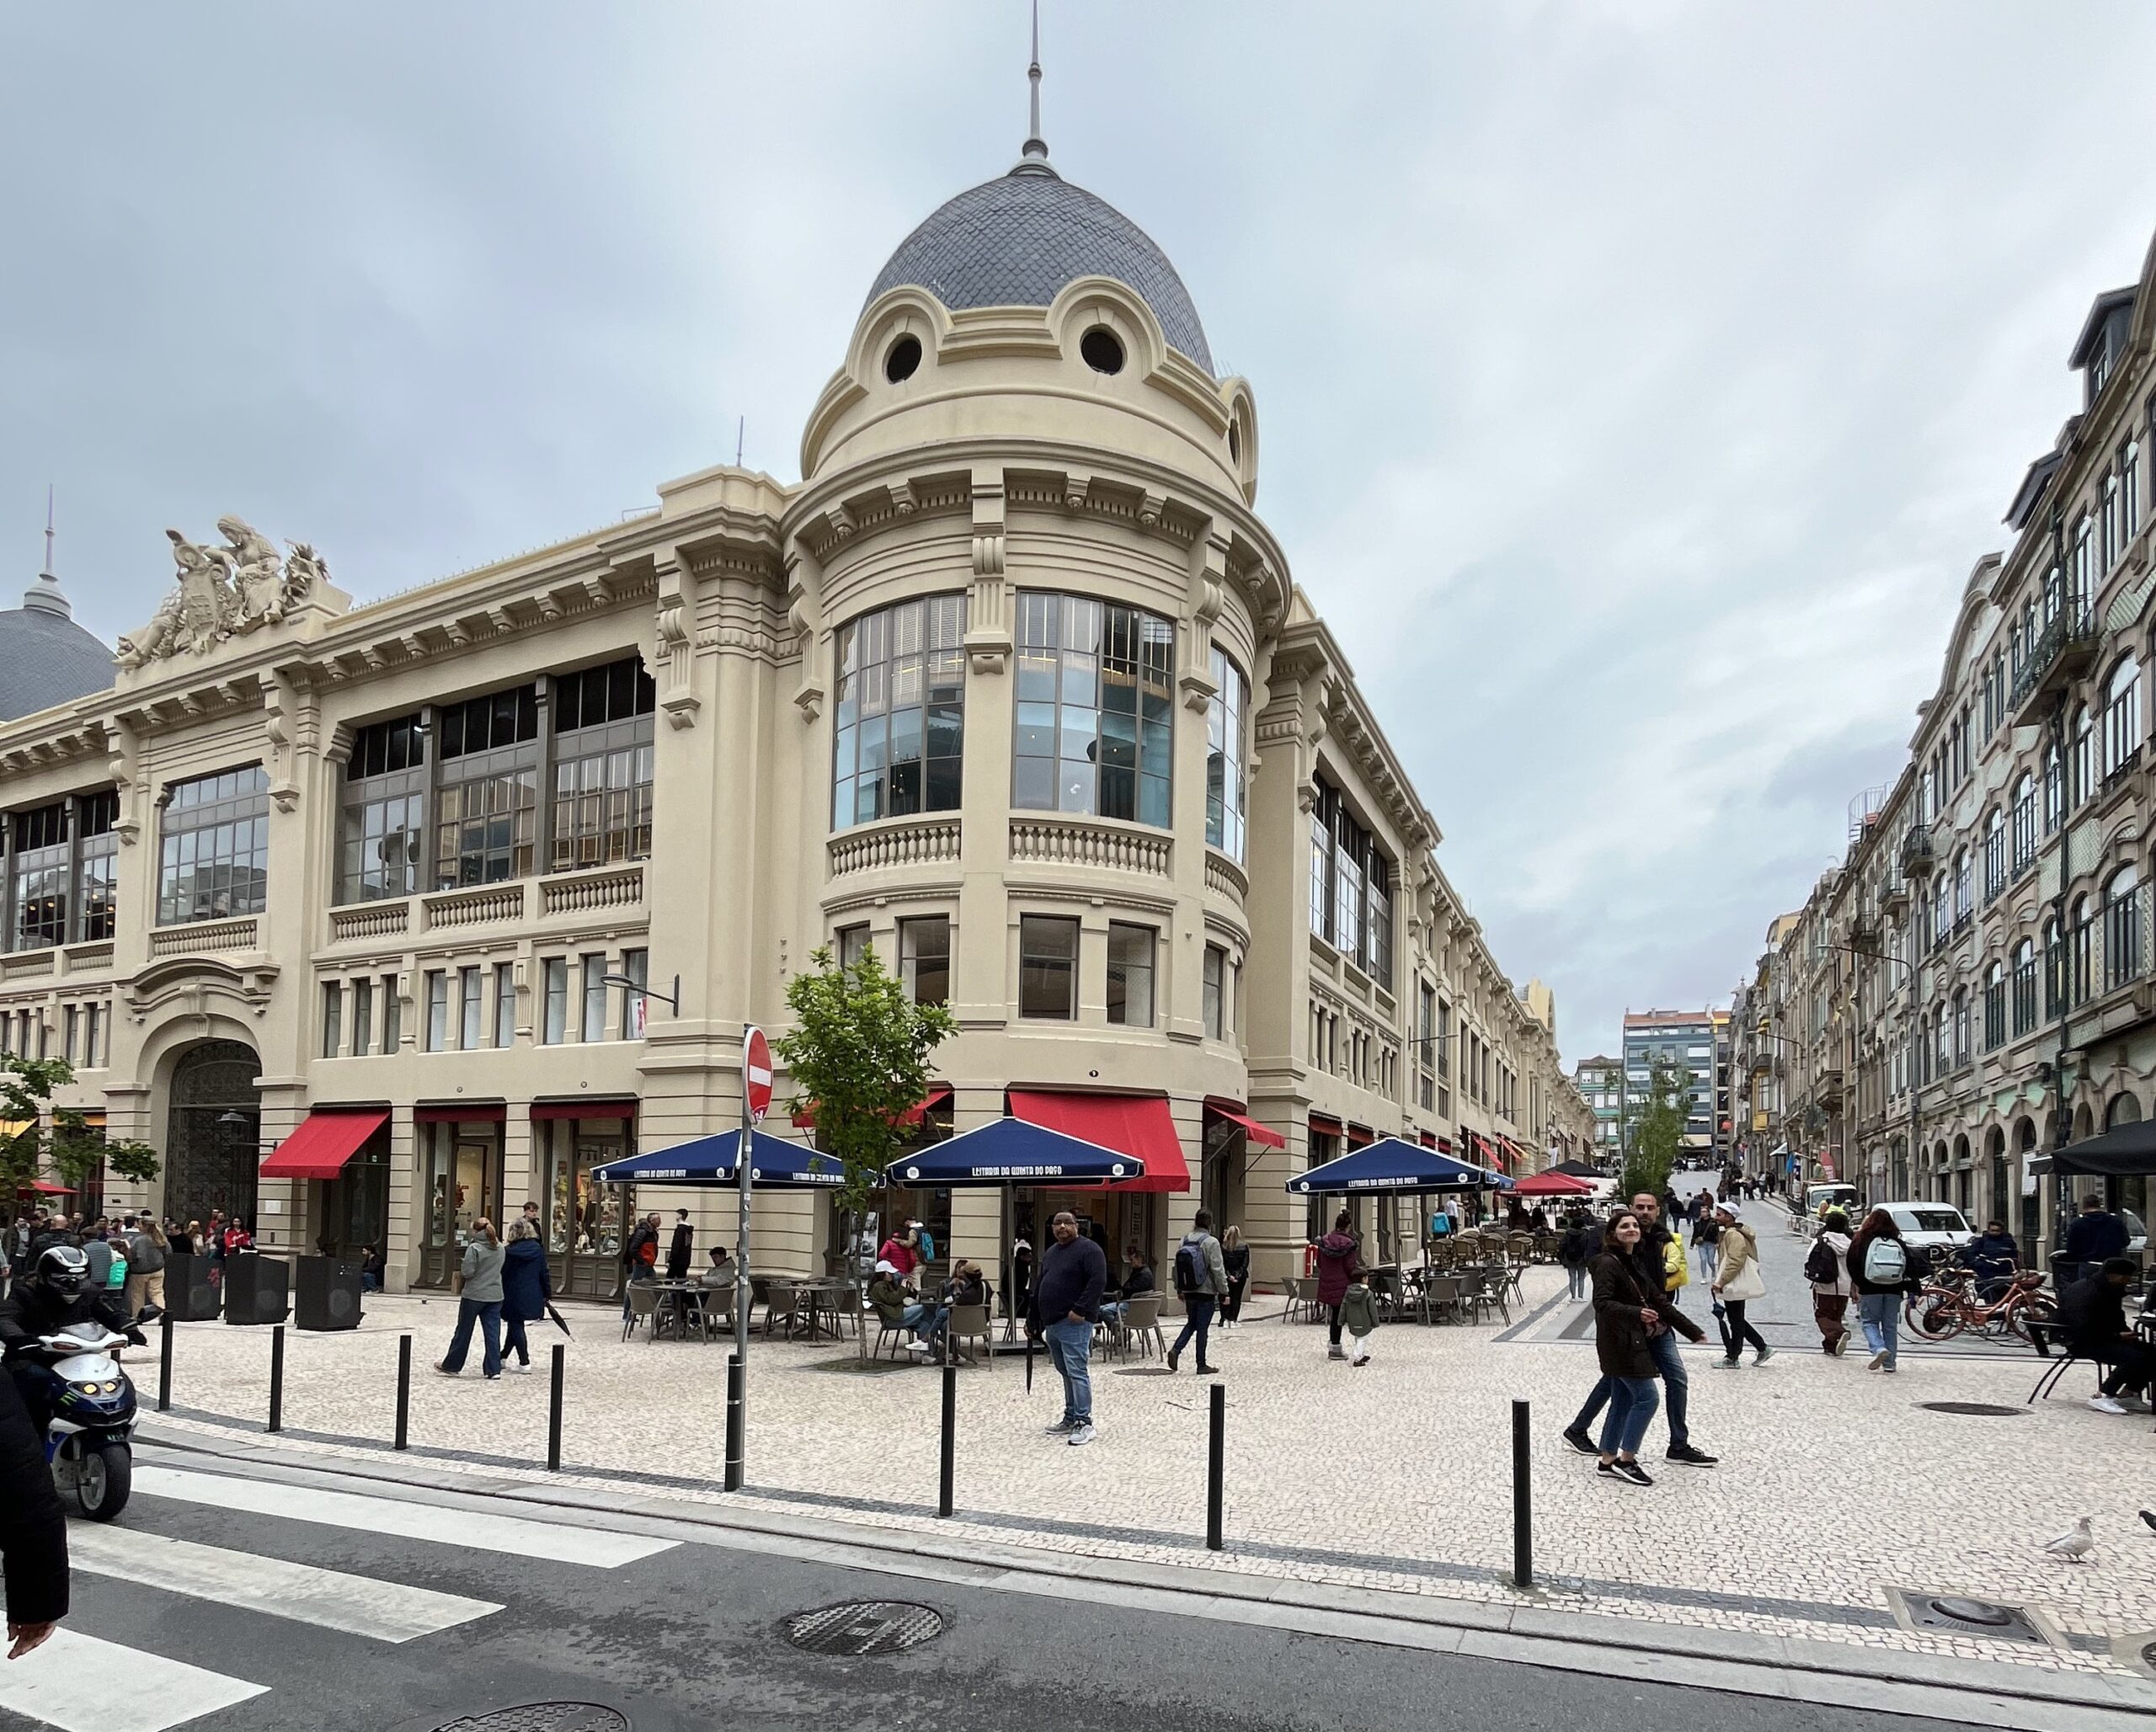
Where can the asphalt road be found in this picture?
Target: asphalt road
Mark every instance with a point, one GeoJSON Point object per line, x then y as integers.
{"type": "Point", "coordinates": [688, 1637]}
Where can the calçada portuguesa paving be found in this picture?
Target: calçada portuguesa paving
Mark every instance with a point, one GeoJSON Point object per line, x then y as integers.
{"type": "Point", "coordinates": [1836, 1482]}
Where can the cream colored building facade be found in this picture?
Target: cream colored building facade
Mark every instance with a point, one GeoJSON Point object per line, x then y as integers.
{"type": "Point", "coordinates": [1014, 685]}
{"type": "Point", "coordinates": [1972, 986]}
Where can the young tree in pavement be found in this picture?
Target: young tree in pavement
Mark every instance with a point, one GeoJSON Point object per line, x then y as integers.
{"type": "Point", "coordinates": [76, 1151]}
{"type": "Point", "coordinates": [70, 1149]}
{"type": "Point", "coordinates": [1658, 1129]}
{"type": "Point", "coordinates": [858, 1053]}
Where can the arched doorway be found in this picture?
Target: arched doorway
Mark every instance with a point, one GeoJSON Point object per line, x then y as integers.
{"type": "Point", "coordinates": [213, 1131]}
{"type": "Point", "coordinates": [2031, 1227]}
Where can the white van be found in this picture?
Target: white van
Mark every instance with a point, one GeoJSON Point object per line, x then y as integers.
{"type": "Point", "coordinates": [1931, 1226]}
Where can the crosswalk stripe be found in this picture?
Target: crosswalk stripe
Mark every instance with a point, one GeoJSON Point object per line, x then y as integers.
{"type": "Point", "coordinates": [479, 1530]}
{"type": "Point", "coordinates": [358, 1605]}
{"type": "Point", "coordinates": [80, 1684]}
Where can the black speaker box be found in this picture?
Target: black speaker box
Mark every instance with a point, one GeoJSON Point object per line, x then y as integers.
{"type": "Point", "coordinates": [256, 1288]}
{"type": "Point", "coordinates": [191, 1296]}
{"type": "Point", "coordinates": [326, 1293]}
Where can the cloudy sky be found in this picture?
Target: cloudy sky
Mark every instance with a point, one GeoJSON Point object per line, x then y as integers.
{"type": "Point", "coordinates": [1638, 381]}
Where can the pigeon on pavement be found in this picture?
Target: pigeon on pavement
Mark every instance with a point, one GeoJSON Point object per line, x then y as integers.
{"type": "Point", "coordinates": [2076, 1546]}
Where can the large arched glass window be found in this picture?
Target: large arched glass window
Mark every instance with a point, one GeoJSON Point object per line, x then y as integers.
{"type": "Point", "coordinates": [2024, 824]}
{"type": "Point", "coordinates": [1225, 784]}
{"type": "Point", "coordinates": [1096, 721]}
{"type": "Point", "coordinates": [2082, 943]}
{"type": "Point", "coordinates": [898, 738]}
{"type": "Point", "coordinates": [2121, 716]}
{"type": "Point", "coordinates": [2024, 987]}
{"type": "Point", "coordinates": [2121, 927]}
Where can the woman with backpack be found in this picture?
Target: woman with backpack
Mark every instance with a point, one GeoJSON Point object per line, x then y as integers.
{"type": "Point", "coordinates": [1882, 1271]}
{"type": "Point", "coordinates": [1827, 1270]}
{"type": "Point", "coordinates": [1572, 1253]}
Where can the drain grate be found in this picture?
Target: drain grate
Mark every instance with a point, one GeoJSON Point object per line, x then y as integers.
{"type": "Point", "coordinates": [544, 1717]}
{"type": "Point", "coordinates": [1965, 1615]}
{"type": "Point", "coordinates": [1973, 1409]}
{"type": "Point", "coordinates": [860, 1628]}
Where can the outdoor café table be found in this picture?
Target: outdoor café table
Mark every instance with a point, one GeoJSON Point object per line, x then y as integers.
{"type": "Point", "coordinates": [672, 1302]}
{"type": "Point", "coordinates": [825, 1298]}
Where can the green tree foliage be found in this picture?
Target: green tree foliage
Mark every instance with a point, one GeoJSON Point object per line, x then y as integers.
{"type": "Point", "coordinates": [859, 1050]}
{"type": "Point", "coordinates": [70, 1149]}
{"type": "Point", "coordinates": [1657, 1129]}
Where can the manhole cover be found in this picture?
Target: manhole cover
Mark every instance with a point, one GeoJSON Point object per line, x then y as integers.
{"type": "Point", "coordinates": [864, 1627]}
{"type": "Point", "coordinates": [1146, 1371]}
{"type": "Point", "coordinates": [544, 1717]}
{"type": "Point", "coordinates": [1973, 1409]}
{"type": "Point", "coordinates": [1964, 1614]}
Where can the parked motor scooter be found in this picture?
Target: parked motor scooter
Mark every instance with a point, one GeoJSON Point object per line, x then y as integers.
{"type": "Point", "coordinates": [93, 1404]}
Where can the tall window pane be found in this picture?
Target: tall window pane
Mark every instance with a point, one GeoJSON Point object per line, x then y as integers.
{"type": "Point", "coordinates": [362, 1017]}
{"type": "Point", "coordinates": [635, 1006]}
{"type": "Point", "coordinates": [554, 1029]}
{"type": "Point", "coordinates": [1096, 709]}
{"type": "Point", "coordinates": [925, 959]}
{"type": "Point", "coordinates": [897, 737]}
{"type": "Point", "coordinates": [213, 858]}
{"type": "Point", "coordinates": [1225, 791]}
{"type": "Point", "coordinates": [392, 1015]}
{"type": "Point", "coordinates": [2122, 928]}
{"type": "Point", "coordinates": [332, 1018]}
{"type": "Point", "coordinates": [437, 1023]}
{"type": "Point", "coordinates": [471, 1002]}
{"type": "Point", "coordinates": [97, 874]}
{"type": "Point", "coordinates": [381, 815]}
{"type": "Point", "coordinates": [1130, 974]}
{"type": "Point", "coordinates": [37, 913]}
{"type": "Point", "coordinates": [602, 765]}
{"type": "Point", "coordinates": [487, 803]}
{"type": "Point", "coordinates": [504, 1004]}
{"type": "Point", "coordinates": [1047, 966]}
{"type": "Point", "coordinates": [594, 1027]}
{"type": "Point", "coordinates": [1214, 992]}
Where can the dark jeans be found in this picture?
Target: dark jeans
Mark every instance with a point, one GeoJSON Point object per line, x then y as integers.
{"type": "Point", "coordinates": [1735, 1333]}
{"type": "Point", "coordinates": [487, 1315]}
{"type": "Point", "coordinates": [1631, 1406]}
{"type": "Point", "coordinates": [2132, 1365]}
{"type": "Point", "coordinates": [1197, 1322]}
{"type": "Point", "coordinates": [1831, 1312]}
{"type": "Point", "coordinates": [1333, 1317]}
{"type": "Point", "coordinates": [1232, 1312]}
{"type": "Point", "coordinates": [514, 1341]}
{"type": "Point", "coordinates": [1669, 1366]}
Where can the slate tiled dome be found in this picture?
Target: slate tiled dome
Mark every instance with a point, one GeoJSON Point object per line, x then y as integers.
{"type": "Point", "coordinates": [1018, 240]}
{"type": "Point", "coordinates": [46, 658]}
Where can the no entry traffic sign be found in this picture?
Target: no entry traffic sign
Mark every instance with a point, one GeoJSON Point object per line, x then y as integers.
{"type": "Point", "coordinates": [756, 1073]}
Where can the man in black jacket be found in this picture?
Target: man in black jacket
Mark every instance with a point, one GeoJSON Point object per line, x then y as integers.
{"type": "Point", "coordinates": [1066, 1303]}
{"type": "Point", "coordinates": [2094, 1312]}
{"type": "Point", "coordinates": [33, 1530]}
{"type": "Point", "coordinates": [679, 1251]}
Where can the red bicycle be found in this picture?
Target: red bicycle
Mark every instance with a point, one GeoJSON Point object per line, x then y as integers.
{"type": "Point", "coordinates": [1948, 1304]}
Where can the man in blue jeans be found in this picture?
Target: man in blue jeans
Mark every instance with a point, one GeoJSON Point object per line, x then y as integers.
{"type": "Point", "coordinates": [1655, 1245]}
{"type": "Point", "coordinates": [1067, 1289]}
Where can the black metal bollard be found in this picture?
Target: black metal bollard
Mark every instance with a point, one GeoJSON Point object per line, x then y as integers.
{"type": "Point", "coordinates": [950, 1464]}
{"type": "Point", "coordinates": [277, 1377]}
{"type": "Point", "coordinates": [164, 1363]}
{"type": "Point", "coordinates": [1216, 1468]}
{"type": "Point", "coordinates": [554, 1411]}
{"type": "Point", "coordinates": [1523, 1505]}
{"type": "Point", "coordinates": [403, 1391]}
{"type": "Point", "coordinates": [736, 1389]}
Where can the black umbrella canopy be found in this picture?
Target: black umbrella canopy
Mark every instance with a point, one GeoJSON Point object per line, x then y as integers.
{"type": "Point", "coordinates": [1579, 1169]}
{"type": "Point", "coordinates": [2116, 1154]}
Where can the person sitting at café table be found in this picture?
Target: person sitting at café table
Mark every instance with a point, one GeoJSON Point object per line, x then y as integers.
{"type": "Point", "coordinates": [965, 1287]}
{"type": "Point", "coordinates": [898, 1308]}
{"type": "Point", "coordinates": [1136, 1279]}
{"type": "Point", "coordinates": [723, 1272]}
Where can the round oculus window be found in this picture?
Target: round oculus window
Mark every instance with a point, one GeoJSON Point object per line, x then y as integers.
{"type": "Point", "coordinates": [902, 359]}
{"type": "Point", "coordinates": [1102, 349]}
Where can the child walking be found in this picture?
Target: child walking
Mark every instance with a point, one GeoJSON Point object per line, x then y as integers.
{"type": "Point", "coordinates": [1358, 1316]}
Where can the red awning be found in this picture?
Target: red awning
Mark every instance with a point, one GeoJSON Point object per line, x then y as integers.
{"type": "Point", "coordinates": [453, 1112]}
{"type": "Point", "coordinates": [1360, 1136]}
{"type": "Point", "coordinates": [1235, 1116]}
{"type": "Point", "coordinates": [42, 1187]}
{"type": "Point", "coordinates": [583, 1109]}
{"type": "Point", "coordinates": [1129, 1124]}
{"type": "Point", "coordinates": [938, 1092]}
{"type": "Point", "coordinates": [1330, 1127]}
{"type": "Point", "coordinates": [1429, 1139]}
{"type": "Point", "coordinates": [322, 1145]}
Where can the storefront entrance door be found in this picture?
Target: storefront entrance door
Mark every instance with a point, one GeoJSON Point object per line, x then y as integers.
{"type": "Point", "coordinates": [584, 1219]}
{"type": "Point", "coordinates": [463, 1174]}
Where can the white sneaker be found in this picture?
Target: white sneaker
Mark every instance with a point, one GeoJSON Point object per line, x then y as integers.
{"type": "Point", "coordinates": [919, 1347]}
{"type": "Point", "coordinates": [1083, 1434]}
{"type": "Point", "coordinates": [2106, 1403]}
{"type": "Point", "coordinates": [522, 1370]}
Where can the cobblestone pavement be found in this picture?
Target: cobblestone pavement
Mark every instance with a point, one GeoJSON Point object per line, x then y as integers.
{"type": "Point", "coordinates": [1836, 1483]}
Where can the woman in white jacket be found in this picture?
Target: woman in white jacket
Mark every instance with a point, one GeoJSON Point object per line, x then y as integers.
{"type": "Point", "coordinates": [1737, 1282]}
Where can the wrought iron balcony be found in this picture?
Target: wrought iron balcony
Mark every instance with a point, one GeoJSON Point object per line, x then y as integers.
{"type": "Point", "coordinates": [1918, 854]}
{"type": "Point", "coordinates": [2063, 651]}
{"type": "Point", "coordinates": [1893, 893]}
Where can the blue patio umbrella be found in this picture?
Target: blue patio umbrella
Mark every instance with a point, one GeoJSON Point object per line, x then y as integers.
{"type": "Point", "coordinates": [1392, 1164]}
{"type": "Point", "coordinates": [712, 1160]}
{"type": "Point", "coordinates": [1010, 1151]}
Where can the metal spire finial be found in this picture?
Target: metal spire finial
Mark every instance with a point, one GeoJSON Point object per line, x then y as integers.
{"type": "Point", "coordinates": [1036, 146]}
{"type": "Point", "coordinates": [45, 595]}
